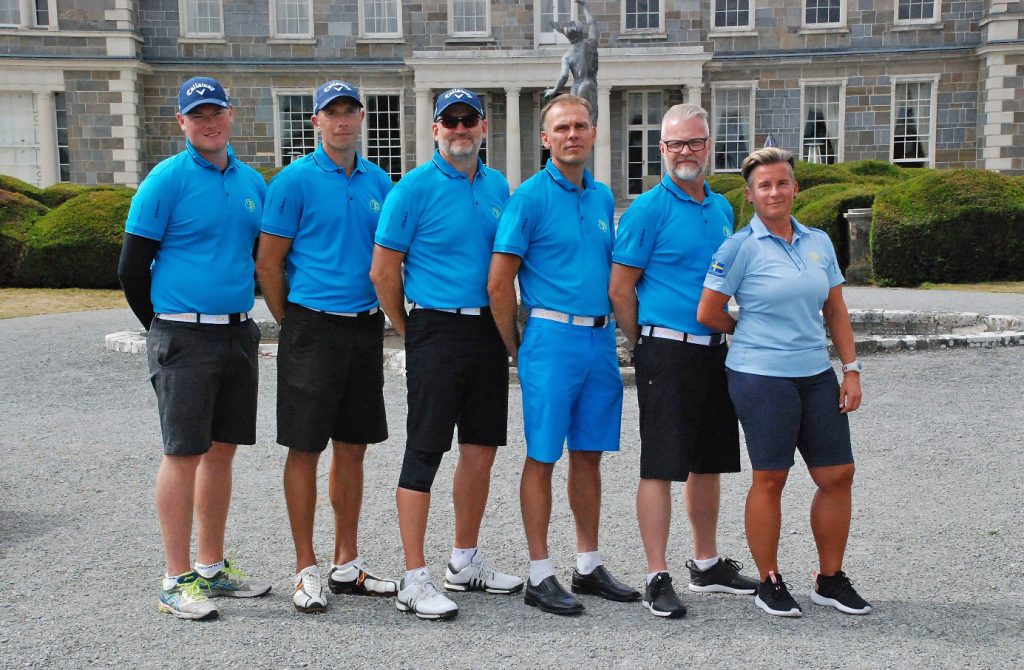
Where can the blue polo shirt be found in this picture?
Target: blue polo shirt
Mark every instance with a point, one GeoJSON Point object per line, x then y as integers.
{"type": "Point", "coordinates": [444, 224]}
{"type": "Point", "coordinates": [564, 235]}
{"type": "Point", "coordinates": [672, 238]}
{"type": "Point", "coordinates": [331, 219]}
{"type": "Point", "coordinates": [206, 221]}
{"type": "Point", "coordinates": [780, 288]}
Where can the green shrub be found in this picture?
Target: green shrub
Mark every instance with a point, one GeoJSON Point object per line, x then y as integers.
{"type": "Point", "coordinates": [878, 169]}
{"type": "Point", "coordinates": [268, 173]}
{"type": "Point", "coordinates": [823, 207]}
{"type": "Point", "coordinates": [78, 243]}
{"type": "Point", "coordinates": [809, 175]}
{"type": "Point", "coordinates": [741, 209]}
{"type": "Point", "coordinates": [15, 185]}
{"type": "Point", "coordinates": [949, 226]}
{"type": "Point", "coordinates": [17, 214]}
{"type": "Point", "coordinates": [58, 194]}
{"type": "Point", "coordinates": [725, 182]}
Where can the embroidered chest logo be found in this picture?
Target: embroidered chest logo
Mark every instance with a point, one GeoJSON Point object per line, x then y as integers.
{"type": "Point", "coordinates": [726, 231]}
{"type": "Point", "coordinates": [250, 205]}
{"type": "Point", "coordinates": [814, 256]}
{"type": "Point", "coordinates": [603, 225]}
{"type": "Point", "coordinates": [374, 205]}
{"type": "Point", "coordinates": [496, 212]}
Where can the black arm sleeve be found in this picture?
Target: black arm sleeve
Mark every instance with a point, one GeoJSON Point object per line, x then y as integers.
{"type": "Point", "coordinates": [133, 269]}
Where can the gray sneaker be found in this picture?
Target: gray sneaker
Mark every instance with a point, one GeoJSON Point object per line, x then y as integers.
{"type": "Point", "coordinates": [232, 583]}
{"type": "Point", "coordinates": [187, 599]}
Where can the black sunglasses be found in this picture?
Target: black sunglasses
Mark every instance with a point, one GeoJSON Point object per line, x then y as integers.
{"type": "Point", "coordinates": [452, 122]}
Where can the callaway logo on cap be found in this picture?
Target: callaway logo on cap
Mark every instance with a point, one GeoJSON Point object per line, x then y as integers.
{"type": "Point", "coordinates": [454, 96]}
{"type": "Point", "coordinates": [201, 91]}
{"type": "Point", "coordinates": [326, 93]}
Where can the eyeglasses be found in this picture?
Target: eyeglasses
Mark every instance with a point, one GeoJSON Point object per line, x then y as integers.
{"type": "Point", "coordinates": [695, 145]}
{"type": "Point", "coordinates": [452, 122]}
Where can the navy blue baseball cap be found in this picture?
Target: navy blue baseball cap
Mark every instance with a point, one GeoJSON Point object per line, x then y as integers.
{"type": "Point", "coordinates": [201, 91]}
{"type": "Point", "coordinates": [456, 95]}
{"type": "Point", "coordinates": [326, 93]}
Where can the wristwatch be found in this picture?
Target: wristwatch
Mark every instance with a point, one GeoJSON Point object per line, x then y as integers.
{"type": "Point", "coordinates": [853, 366]}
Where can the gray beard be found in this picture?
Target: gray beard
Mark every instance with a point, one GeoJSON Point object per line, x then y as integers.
{"type": "Point", "coordinates": [447, 149]}
{"type": "Point", "coordinates": [686, 173]}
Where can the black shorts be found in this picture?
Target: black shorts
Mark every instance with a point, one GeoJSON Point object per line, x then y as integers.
{"type": "Point", "coordinates": [206, 378]}
{"type": "Point", "coordinates": [687, 421]}
{"type": "Point", "coordinates": [457, 370]}
{"type": "Point", "coordinates": [330, 379]}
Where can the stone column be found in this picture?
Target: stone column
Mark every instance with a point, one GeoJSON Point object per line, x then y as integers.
{"type": "Point", "coordinates": [424, 119]}
{"type": "Point", "coordinates": [603, 148]}
{"type": "Point", "coordinates": [693, 90]}
{"type": "Point", "coordinates": [513, 144]}
{"type": "Point", "coordinates": [859, 269]}
{"type": "Point", "coordinates": [49, 165]}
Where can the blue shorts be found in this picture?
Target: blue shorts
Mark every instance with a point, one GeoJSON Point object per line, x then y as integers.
{"type": "Point", "coordinates": [572, 389]}
{"type": "Point", "coordinates": [782, 414]}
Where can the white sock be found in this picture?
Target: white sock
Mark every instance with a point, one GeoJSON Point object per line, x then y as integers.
{"type": "Point", "coordinates": [462, 557]}
{"type": "Point", "coordinates": [417, 576]}
{"type": "Point", "coordinates": [211, 569]}
{"type": "Point", "coordinates": [652, 575]}
{"type": "Point", "coordinates": [354, 563]}
{"type": "Point", "coordinates": [541, 570]}
{"type": "Point", "coordinates": [587, 561]}
{"type": "Point", "coordinates": [170, 581]}
{"type": "Point", "coordinates": [706, 563]}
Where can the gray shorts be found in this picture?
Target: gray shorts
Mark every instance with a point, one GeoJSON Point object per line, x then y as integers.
{"type": "Point", "coordinates": [206, 378]}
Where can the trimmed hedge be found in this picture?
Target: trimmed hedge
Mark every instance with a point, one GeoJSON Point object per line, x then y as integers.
{"type": "Point", "coordinates": [823, 207]}
{"type": "Point", "coordinates": [949, 226]}
{"type": "Point", "coordinates": [725, 182]}
{"type": "Point", "coordinates": [78, 243]}
{"type": "Point", "coordinates": [741, 209]}
{"type": "Point", "coordinates": [17, 214]}
{"type": "Point", "coordinates": [15, 185]}
{"type": "Point", "coordinates": [268, 173]}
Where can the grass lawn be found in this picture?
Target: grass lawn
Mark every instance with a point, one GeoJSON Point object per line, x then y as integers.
{"type": "Point", "coordinates": [990, 287]}
{"type": "Point", "coordinates": [30, 301]}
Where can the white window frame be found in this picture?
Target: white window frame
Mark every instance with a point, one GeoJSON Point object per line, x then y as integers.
{"type": "Point", "coordinates": [183, 22]}
{"type": "Point", "coordinates": [277, 94]}
{"type": "Point", "coordinates": [841, 23]}
{"type": "Point", "coordinates": [644, 128]}
{"type": "Point", "coordinates": [745, 28]}
{"type": "Point", "coordinates": [486, 32]}
{"type": "Point", "coordinates": [541, 37]}
{"type": "Point", "coordinates": [660, 30]}
{"type": "Point", "coordinates": [840, 121]}
{"type": "Point", "coordinates": [932, 113]}
{"type": "Point", "coordinates": [365, 136]}
{"type": "Point", "coordinates": [308, 33]}
{"type": "Point", "coordinates": [363, 33]}
{"type": "Point", "coordinates": [30, 21]}
{"type": "Point", "coordinates": [934, 20]}
{"type": "Point", "coordinates": [750, 86]}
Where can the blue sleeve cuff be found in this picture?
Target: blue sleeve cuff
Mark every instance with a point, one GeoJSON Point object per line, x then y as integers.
{"type": "Point", "coordinates": [509, 249]}
{"type": "Point", "coordinates": [389, 244]}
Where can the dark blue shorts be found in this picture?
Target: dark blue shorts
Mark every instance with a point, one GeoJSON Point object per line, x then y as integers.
{"type": "Point", "coordinates": [782, 414]}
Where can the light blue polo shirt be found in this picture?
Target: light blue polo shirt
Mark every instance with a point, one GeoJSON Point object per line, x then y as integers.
{"type": "Point", "coordinates": [207, 221]}
{"type": "Point", "coordinates": [445, 226]}
{"type": "Point", "coordinates": [331, 219]}
{"type": "Point", "coordinates": [564, 235]}
{"type": "Point", "coordinates": [672, 238]}
{"type": "Point", "coordinates": [780, 288]}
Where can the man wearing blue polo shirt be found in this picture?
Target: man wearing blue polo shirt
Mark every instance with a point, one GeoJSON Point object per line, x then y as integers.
{"type": "Point", "coordinates": [320, 217]}
{"type": "Point", "coordinates": [688, 429]}
{"type": "Point", "coordinates": [187, 271]}
{"type": "Point", "coordinates": [439, 222]}
{"type": "Point", "coordinates": [556, 234]}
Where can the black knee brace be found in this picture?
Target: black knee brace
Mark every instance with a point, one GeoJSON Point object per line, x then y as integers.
{"type": "Point", "coordinates": [418, 470]}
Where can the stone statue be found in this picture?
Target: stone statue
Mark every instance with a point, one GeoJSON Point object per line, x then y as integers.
{"type": "Point", "coordinates": [580, 59]}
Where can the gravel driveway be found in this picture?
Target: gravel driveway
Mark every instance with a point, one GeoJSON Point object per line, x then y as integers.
{"type": "Point", "coordinates": [936, 545]}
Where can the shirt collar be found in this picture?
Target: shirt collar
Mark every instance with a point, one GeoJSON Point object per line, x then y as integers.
{"type": "Point", "coordinates": [450, 170]}
{"type": "Point", "coordinates": [761, 230]}
{"type": "Point", "coordinates": [674, 189]}
{"type": "Point", "coordinates": [556, 174]}
{"type": "Point", "coordinates": [325, 163]}
{"type": "Point", "coordinates": [197, 157]}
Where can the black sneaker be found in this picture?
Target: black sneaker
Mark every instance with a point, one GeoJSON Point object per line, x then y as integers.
{"type": "Point", "coordinates": [773, 597]}
{"type": "Point", "coordinates": [837, 591]}
{"type": "Point", "coordinates": [722, 577]}
{"type": "Point", "coordinates": [661, 599]}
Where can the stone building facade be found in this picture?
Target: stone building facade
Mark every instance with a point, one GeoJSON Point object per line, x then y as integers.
{"type": "Point", "coordinates": [89, 85]}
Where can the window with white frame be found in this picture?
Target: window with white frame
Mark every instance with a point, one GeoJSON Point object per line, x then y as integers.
{"type": "Point", "coordinates": [382, 132]}
{"type": "Point", "coordinates": [381, 18]}
{"type": "Point", "coordinates": [733, 13]}
{"type": "Point", "coordinates": [42, 13]}
{"type": "Point", "coordinates": [913, 123]}
{"type": "Point", "coordinates": [917, 11]}
{"type": "Point", "coordinates": [821, 141]}
{"type": "Point", "coordinates": [823, 12]}
{"type": "Point", "coordinates": [292, 18]}
{"type": "Point", "coordinates": [63, 148]}
{"type": "Point", "coordinates": [469, 17]}
{"type": "Point", "coordinates": [296, 136]}
{"type": "Point", "coordinates": [642, 15]}
{"type": "Point", "coordinates": [548, 13]}
{"type": "Point", "coordinates": [733, 115]}
{"type": "Point", "coordinates": [644, 110]}
{"type": "Point", "coordinates": [202, 18]}
{"type": "Point", "coordinates": [19, 136]}
{"type": "Point", "coordinates": [10, 12]}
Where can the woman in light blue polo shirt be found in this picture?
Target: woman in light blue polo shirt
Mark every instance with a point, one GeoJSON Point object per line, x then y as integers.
{"type": "Point", "coordinates": [785, 277]}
